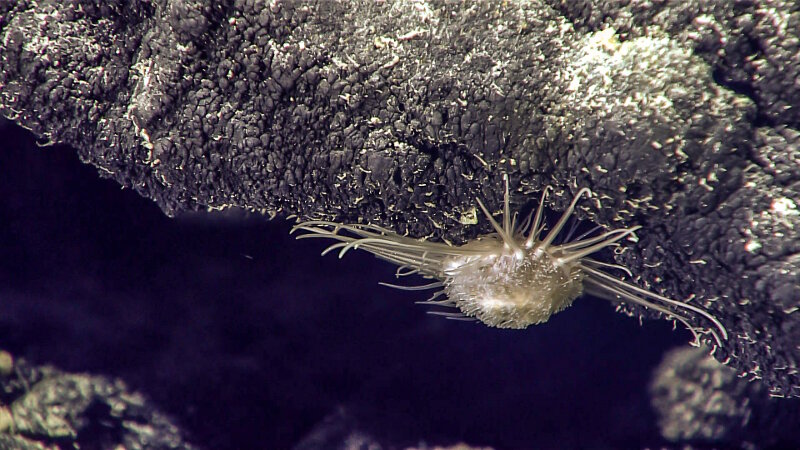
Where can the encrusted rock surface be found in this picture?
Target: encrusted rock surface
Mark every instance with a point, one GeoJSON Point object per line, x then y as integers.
{"type": "Point", "coordinates": [682, 117]}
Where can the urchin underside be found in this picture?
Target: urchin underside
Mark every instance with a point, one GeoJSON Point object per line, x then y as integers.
{"type": "Point", "coordinates": [514, 277]}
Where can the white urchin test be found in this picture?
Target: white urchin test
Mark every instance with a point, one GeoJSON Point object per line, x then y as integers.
{"type": "Point", "coordinates": [514, 277]}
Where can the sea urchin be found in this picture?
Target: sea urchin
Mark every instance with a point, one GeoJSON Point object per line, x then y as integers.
{"type": "Point", "coordinates": [514, 277]}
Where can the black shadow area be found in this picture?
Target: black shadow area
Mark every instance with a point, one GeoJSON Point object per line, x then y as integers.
{"type": "Point", "coordinates": [250, 338]}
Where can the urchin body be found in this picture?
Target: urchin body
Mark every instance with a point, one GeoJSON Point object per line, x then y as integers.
{"type": "Point", "coordinates": [514, 277]}
{"type": "Point", "coordinates": [510, 289]}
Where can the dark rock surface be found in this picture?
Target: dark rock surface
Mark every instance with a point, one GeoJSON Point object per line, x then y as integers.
{"type": "Point", "coordinates": [703, 403]}
{"type": "Point", "coordinates": [45, 408]}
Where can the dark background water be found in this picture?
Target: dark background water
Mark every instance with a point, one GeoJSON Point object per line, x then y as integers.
{"type": "Point", "coordinates": [250, 339]}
